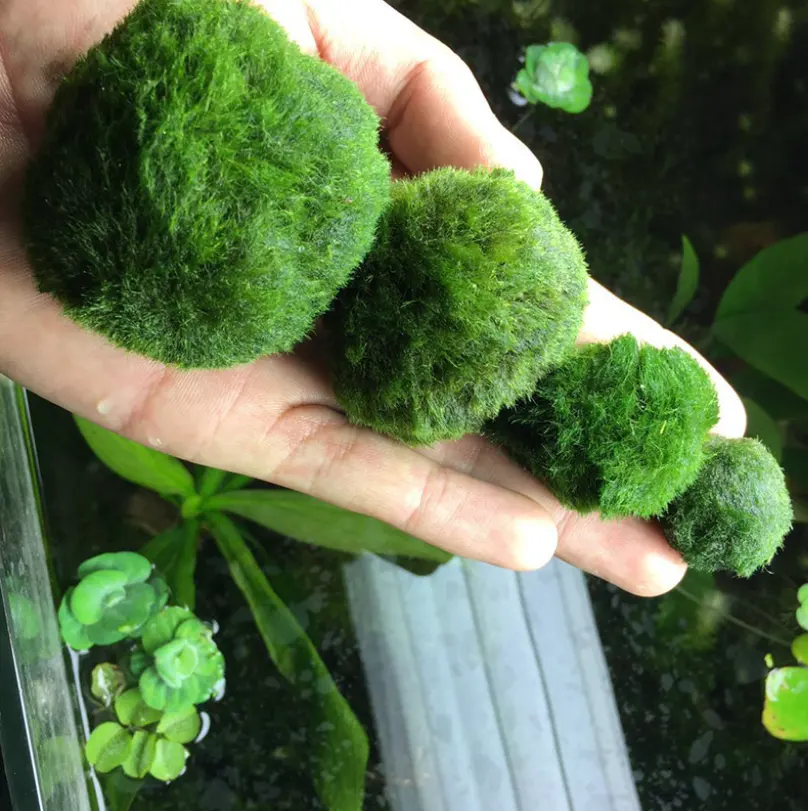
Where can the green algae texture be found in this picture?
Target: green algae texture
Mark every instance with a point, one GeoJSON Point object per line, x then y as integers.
{"type": "Point", "coordinates": [473, 290]}
{"type": "Point", "coordinates": [203, 188]}
{"type": "Point", "coordinates": [737, 512]}
{"type": "Point", "coordinates": [618, 427]}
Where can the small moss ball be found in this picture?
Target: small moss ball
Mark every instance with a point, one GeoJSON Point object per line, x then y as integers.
{"type": "Point", "coordinates": [618, 427]}
{"type": "Point", "coordinates": [473, 289]}
{"type": "Point", "coordinates": [737, 512]}
{"type": "Point", "coordinates": [203, 188]}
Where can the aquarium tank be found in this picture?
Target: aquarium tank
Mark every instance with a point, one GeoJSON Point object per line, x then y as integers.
{"type": "Point", "coordinates": [174, 636]}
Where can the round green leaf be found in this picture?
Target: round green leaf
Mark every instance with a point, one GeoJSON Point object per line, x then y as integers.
{"type": "Point", "coordinates": [181, 727]}
{"type": "Point", "coordinates": [802, 594]}
{"type": "Point", "coordinates": [107, 682]}
{"type": "Point", "coordinates": [802, 616]}
{"type": "Point", "coordinates": [169, 760]}
{"type": "Point", "coordinates": [139, 660]}
{"type": "Point", "coordinates": [108, 747]}
{"type": "Point", "coordinates": [101, 634]}
{"type": "Point", "coordinates": [153, 689]}
{"type": "Point", "coordinates": [160, 629]}
{"type": "Point", "coordinates": [136, 568]}
{"type": "Point", "coordinates": [73, 632]}
{"type": "Point", "coordinates": [176, 661]}
{"type": "Point", "coordinates": [95, 593]}
{"type": "Point", "coordinates": [133, 711]}
{"type": "Point", "coordinates": [131, 614]}
{"type": "Point", "coordinates": [785, 712]}
{"type": "Point", "coordinates": [141, 755]}
{"type": "Point", "coordinates": [799, 649]}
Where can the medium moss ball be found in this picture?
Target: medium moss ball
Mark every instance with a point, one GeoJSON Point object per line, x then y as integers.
{"type": "Point", "coordinates": [473, 290]}
{"type": "Point", "coordinates": [203, 188]}
{"type": "Point", "coordinates": [737, 512]}
{"type": "Point", "coordinates": [618, 427]}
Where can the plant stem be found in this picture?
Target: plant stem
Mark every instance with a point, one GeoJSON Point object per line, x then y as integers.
{"type": "Point", "coordinates": [734, 620]}
{"type": "Point", "coordinates": [522, 120]}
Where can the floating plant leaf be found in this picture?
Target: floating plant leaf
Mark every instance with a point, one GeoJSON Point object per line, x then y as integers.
{"type": "Point", "coordinates": [133, 711]}
{"type": "Point", "coordinates": [141, 755]}
{"type": "Point", "coordinates": [181, 727]}
{"type": "Point", "coordinates": [108, 746]}
{"type": "Point", "coordinates": [785, 712]}
{"type": "Point", "coordinates": [169, 760]}
{"type": "Point", "coordinates": [556, 74]}
{"type": "Point", "coordinates": [107, 683]}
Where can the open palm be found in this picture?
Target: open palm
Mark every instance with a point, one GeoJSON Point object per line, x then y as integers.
{"type": "Point", "coordinates": [277, 419]}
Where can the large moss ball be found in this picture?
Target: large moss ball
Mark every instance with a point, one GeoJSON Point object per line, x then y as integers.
{"type": "Point", "coordinates": [203, 188]}
{"type": "Point", "coordinates": [737, 512]}
{"type": "Point", "coordinates": [618, 427]}
{"type": "Point", "coordinates": [473, 289]}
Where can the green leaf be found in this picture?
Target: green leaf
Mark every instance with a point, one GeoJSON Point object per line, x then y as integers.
{"type": "Point", "coordinates": [775, 279]}
{"type": "Point", "coordinates": [181, 727]}
{"type": "Point", "coordinates": [92, 594]}
{"type": "Point", "coordinates": [137, 463]}
{"type": "Point", "coordinates": [173, 554]}
{"type": "Point", "coordinates": [160, 629]}
{"type": "Point", "coordinates": [169, 760]}
{"type": "Point", "coordinates": [120, 791]}
{"type": "Point", "coordinates": [785, 712]}
{"type": "Point", "coordinates": [108, 747]}
{"type": "Point", "coordinates": [141, 755]}
{"type": "Point", "coordinates": [802, 616]}
{"type": "Point", "coordinates": [799, 649]}
{"type": "Point", "coordinates": [73, 632]}
{"type": "Point", "coordinates": [133, 711]}
{"type": "Point", "coordinates": [107, 683]}
{"type": "Point", "coordinates": [780, 402]}
{"type": "Point", "coordinates": [340, 746]}
{"type": "Point", "coordinates": [773, 341]}
{"type": "Point", "coordinates": [761, 426]}
{"type": "Point", "coordinates": [312, 521]}
{"type": "Point", "coordinates": [211, 481]}
{"type": "Point", "coordinates": [556, 74]}
{"type": "Point", "coordinates": [136, 568]}
{"type": "Point", "coordinates": [688, 282]}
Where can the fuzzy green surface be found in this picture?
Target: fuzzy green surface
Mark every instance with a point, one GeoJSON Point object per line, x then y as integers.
{"type": "Point", "coordinates": [473, 289]}
{"type": "Point", "coordinates": [618, 427]}
{"type": "Point", "coordinates": [736, 514]}
{"type": "Point", "coordinates": [203, 188]}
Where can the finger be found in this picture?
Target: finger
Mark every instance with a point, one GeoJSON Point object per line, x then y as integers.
{"type": "Point", "coordinates": [608, 317]}
{"type": "Point", "coordinates": [632, 554]}
{"type": "Point", "coordinates": [434, 111]}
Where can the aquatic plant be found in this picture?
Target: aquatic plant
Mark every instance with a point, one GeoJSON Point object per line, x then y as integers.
{"type": "Point", "coordinates": [618, 427]}
{"type": "Point", "coordinates": [203, 188]}
{"type": "Point", "coordinates": [179, 664]}
{"type": "Point", "coordinates": [473, 290]}
{"type": "Point", "coordinates": [736, 513]}
{"type": "Point", "coordinates": [557, 75]}
{"type": "Point", "coordinates": [117, 594]}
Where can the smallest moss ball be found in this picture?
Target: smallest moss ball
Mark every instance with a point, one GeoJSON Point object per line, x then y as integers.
{"type": "Point", "coordinates": [737, 512]}
{"type": "Point", "coordinates": [473, 290]}
{"type": "Point", "coordinates": [617, 427]}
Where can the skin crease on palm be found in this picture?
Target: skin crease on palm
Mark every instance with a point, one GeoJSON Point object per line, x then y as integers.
{"type": "Point", "coordinates": [276, 419]}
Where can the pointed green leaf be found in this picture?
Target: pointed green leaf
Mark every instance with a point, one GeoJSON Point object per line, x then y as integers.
{"type": "Point", "coordinates": [169, 760]}
{"type": "Point", "coordinates": [312, 521]}
{"type": "Point", "coordinates": [761, 426]}
{"type": "Point", "coordinates": [688, 282]}
{"type": "Point", "coordinates": [137, 463]}
{"type": "Point", "coordinates": [180, 727]}
{"type": "Point", "coordinates": [108, 746]}
{"type": "Point", "coordinates": [340, 745]}
{"type": "Point", "coordinates": [785, 711]}
{"type": "Point", "coordinates": [211, 481]}
{"type": "Point", "coordinates": [174, 554]}
{"type": "Point", "coordinates": [141, 755]}
{"type": "Point", "coordinates": [773, 341]}
{"type": "Point", "coordinates": [775, 279]}
{"type": "Point", "coordinates": [136, 568]}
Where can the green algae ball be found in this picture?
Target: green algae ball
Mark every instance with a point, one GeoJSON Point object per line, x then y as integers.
{"type": "Point", "coordinates": [203, 188]}
{"type": "Point", "coordinates": [737, 512]}
{"type": "Point", "coordinates": [618, 427]}
{"type": "Point", "coordinates": [473, 290]}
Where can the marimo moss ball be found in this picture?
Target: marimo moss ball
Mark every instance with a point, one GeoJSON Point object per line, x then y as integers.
{"type": "Point", "coordinates": [618, 427]}
{"type": "Point", "coordinates": [204, 188]}
{"type": "Point", "coordinates": [473, 290]}
{"type": "Point", "coordinates": [737, 512]}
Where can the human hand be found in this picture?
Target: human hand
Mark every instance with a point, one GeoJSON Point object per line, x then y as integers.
{"type": "Point", "coordinates": [277, 419]}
